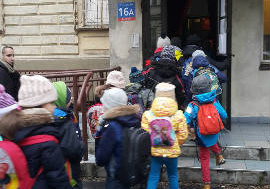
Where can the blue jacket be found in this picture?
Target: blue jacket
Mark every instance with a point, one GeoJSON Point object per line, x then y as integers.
{"type": "Point", "coordinates": [191, 115]}
{"type": "Point", "coordinates": [109, 150]}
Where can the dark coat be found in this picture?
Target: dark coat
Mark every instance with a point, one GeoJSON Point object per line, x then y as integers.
{"type": "Point", "coordinates": [11, 81]}
{"type": "Point", "coordinates": [32, 122]}
{"type": "Point", "coordinates": [72, 147]}
{"type": "Point", "coordinates": [110, 145]}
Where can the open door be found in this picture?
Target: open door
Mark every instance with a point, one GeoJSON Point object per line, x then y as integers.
{"type": "Point", "coordinates": [224, 48]}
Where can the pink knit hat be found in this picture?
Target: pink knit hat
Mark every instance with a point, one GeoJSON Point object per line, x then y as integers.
{"type": "Point", "coordinates": [35, 91]}
{"type": "Point", "coordinates": [7, 102]}
{"type": "Point", "coordinates": [116, 78]}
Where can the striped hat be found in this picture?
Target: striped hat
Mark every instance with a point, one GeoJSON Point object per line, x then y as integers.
{"type": "Point", "coordinates": [7, 102]}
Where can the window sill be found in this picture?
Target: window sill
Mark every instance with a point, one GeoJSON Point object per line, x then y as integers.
{"type": "Point", "coordinates": [265, 65]}
{"type": "Point", "coordinates": [86, 28]}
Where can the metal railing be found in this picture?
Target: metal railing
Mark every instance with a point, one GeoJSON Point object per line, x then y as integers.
{"type": "Point", "coordinates": [82, 84]}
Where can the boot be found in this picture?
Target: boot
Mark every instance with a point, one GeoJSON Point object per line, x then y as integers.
{"type": "Point", "coordinates": [206, 185]}
{"type": "Point", "coordinates": [220, 159]}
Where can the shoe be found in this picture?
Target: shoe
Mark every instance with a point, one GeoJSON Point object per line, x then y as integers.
{"type": "Point", "coordinates": [220, 159]}
{"type": "Point", "coordinates": [207, 186]}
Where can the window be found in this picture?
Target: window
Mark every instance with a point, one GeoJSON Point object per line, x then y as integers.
{"type": "Point", "coordinates": [266, 36]}
{"type": "Point", "coordinates": [265, 65]}
{"type": "Point", "coordinates": [92, 14]}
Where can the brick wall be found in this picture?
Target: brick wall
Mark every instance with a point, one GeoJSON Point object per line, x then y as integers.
{"type": "Point", "coordinates": [40, 28]}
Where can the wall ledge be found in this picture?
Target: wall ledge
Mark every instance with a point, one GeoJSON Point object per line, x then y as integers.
{"type": "Point", "coordinates": [264, 66]}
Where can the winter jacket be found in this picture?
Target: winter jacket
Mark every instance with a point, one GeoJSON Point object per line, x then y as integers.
{"type": "Point", "coordinates": [72, 147]}
{"type": "Point", "coordinates": [157, 76]}
{"type": "Point", "coordinates": [145, 94]}
{"type": "Point", "coordinates": [191, 115]}
{"type": "Point", "coordinates": [32, 122]}
{"type": "Point", "coordinates": [11, 81]}
{"type": "Point", "coordinates": [109, 150]}
{"type": "Point", "coordinates": [161, 107]}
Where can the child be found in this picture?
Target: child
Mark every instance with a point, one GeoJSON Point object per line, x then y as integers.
{"type": "Point", "coordinates": [70, 143]}
{"type": "Point", "coordinates": [165, 106]}
{"type": "Point", "coordinates": [201, 89]}
{"type": "Point", "coordinates": [118, 114]}
{"type": "Point", "coordinates": [36, 98]}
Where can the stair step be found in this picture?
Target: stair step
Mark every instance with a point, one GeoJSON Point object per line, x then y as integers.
{"type": "Point", "coordinates": [232, 172]}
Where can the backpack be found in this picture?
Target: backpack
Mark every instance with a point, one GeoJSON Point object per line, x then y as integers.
{"type": "Point", "coordinates": [136, 153]}
{"type": "Point", "coordinates": [210, 73]}
{"type": "Point", "coordinates": [209, 121]}
{"type": "Point", "coordinates": [94, 112]}
{"type": "Point", "coordinates": [134, 98]}
{"type": "Point", "coordinates": [14, 164]}
{"type": "Point", "coordinates": [161, 132]}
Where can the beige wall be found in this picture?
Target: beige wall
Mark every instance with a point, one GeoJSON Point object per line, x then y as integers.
{"type": "Point", "coordinates": [43, 35]}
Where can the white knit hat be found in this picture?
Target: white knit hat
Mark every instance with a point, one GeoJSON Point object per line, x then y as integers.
{"type": "Point", "coordinates": [35, 91]}
{"type": "Point", "coordinates": [165, 90]}
{"type": "Point", "coordinates": [116, 78]}
{"type": "Point", "coordinates": [114, 97]}
{"type": "Point", "coordinates": [198, 53]}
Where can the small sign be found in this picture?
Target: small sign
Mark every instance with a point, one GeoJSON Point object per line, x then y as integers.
{"type": "Point", "coordinates": [126, 11]}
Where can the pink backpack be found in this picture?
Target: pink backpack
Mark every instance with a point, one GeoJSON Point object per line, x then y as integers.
{"type": "Point", "coordinates": [161, 131]}
{"type": "Point", "coordinates": [13, 159]}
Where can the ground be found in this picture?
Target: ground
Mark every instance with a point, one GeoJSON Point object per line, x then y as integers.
{"type": "Point", "coordinates": [100, 184]}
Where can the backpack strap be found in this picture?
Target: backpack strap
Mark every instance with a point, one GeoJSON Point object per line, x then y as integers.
{"type": "Point", "coordinates": [195, 103]}
{"type": "Point", "coordinates": [37, 139]}
{"type": "Point", "coordinates": [181, 83]}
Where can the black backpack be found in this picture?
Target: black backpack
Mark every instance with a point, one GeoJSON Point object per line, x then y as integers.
{"type": "Point", "coordinates": [136, 153]}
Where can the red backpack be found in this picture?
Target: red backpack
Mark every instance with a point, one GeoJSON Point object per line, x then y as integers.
{"type": "Point", "coordinates": [209, 121]}
{"type": "Point", "coordinates": [13, 160]}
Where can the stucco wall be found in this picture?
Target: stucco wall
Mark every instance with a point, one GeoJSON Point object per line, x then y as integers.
{"type": "Point", "coordinates": [250, 87]}
{"type": "Point", "coordinates": [121, 51]}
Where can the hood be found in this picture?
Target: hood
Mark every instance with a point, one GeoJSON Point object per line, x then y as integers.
{"type": "Point", "coordinates": [199, 61]}
{"type": "Point", "coordinates": [16, 120]}
{"type": "Point", "coordinates": [61, 89]}
{"type": "Point", "coordinates": [125, 115]}
{"type": "Point", "coordinates": [163, 106]}
{"type": "Point", "coordinates": [133, 88]}
{"type": "Point", "coordinates": [99, 90]}
{"type": "Point", "coordinates": [206, 97]}
{"type": "Point", "coordinates": [189, 49]}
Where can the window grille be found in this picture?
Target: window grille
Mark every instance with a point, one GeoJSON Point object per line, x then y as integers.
{"type": "Point", "coordinates": [97, 13]}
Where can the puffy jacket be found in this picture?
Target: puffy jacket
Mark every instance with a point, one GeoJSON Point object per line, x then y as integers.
{"type": "Point", "coordinates": [32, 122]}
{"type": "Point", "coordinates": [161, 107]}
{"type": "Point", "coordinates": [191, 115]}
{"type": "Point", "coordinates": [11, 81]}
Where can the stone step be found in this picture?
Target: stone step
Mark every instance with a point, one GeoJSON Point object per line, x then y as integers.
{"type": "Point", "coordinates": [232, 172]}
{"type": "Point", "coordinates": [231, 152]}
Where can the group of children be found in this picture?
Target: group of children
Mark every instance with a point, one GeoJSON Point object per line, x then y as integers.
{"type": "Point", "coordinates": [168, 127]}
{"type": "Point", "coordinates": [42, 125]}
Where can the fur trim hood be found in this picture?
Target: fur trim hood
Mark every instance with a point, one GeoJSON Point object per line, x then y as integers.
{"type": "Point", "coordinates": [122, 111]}
{"type": "Point", "coordinates": [15, 120]}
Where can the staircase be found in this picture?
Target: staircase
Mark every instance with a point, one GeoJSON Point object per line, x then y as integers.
{"type": "Point", "coordinates": [247, 154]}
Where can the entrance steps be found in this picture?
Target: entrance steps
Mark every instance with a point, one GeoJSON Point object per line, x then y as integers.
{"type": "Point", "coordinates": [247, 159]}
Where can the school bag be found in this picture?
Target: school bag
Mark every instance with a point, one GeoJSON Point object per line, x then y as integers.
{"type": "Point", "coordinates": [209, 72]}
{"type": "Point", "coordinates": [94, 112]}
{"type": "Point", "coordinates": [14, 161]}
{"type": "Point", "coordinates": [209, 121]}
{"type": "Point", "coordinates": [136, 153]}
{"type": "Point", "coordinates": [161, 131]}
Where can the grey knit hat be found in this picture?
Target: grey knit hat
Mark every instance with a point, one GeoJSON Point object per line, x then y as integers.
{"type": "Point", "coordinates": [114, 97]}
{"type": "Point", "coordinates": [201, 84]}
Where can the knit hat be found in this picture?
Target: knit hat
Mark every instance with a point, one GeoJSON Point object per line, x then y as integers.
{"type": "Point", "coordinates": [7, 102]}
{"type": "Point", "coordinates": [35, 91]}
{"type": "Point", "coordinates": [201, 84]}
{"type": "Point", "coordinates": [165, 90]}
{"type": "Point", "coordinates": [198, 53]}
{"type": "Point", "coordinates": [63, 93]}
{"type": "Point", "coordinates": [171, 52]}
{"type": "Point", "coordinates": [200, 61]}
{"type": "Point", "coordinates": [163, 41]}
{"type": "Point", "coordinates": [116, 78]}
{"type": "Point", "coordinates": [135, 75]}
{"type": "Point", "coordinates": [114, 97]}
